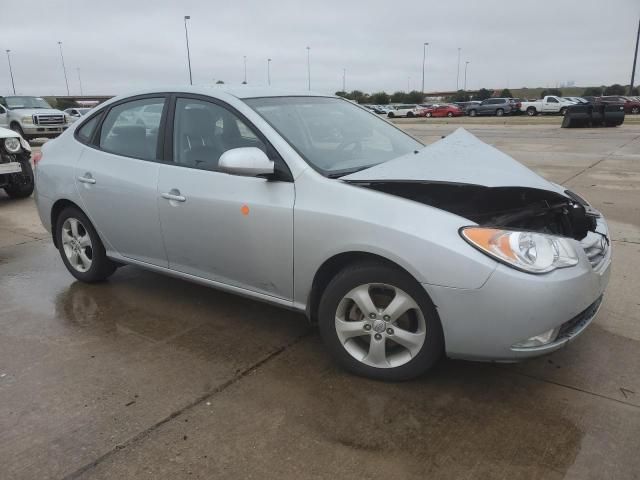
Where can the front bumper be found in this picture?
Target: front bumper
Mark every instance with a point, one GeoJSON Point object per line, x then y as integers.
{"type": "Point", "coordinates": [44, 130]}
{"type": "Point", "coordinates": [486, 323]}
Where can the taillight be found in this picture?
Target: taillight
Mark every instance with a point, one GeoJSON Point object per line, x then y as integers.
{"type": "Point", "coordinates": [36, 157]}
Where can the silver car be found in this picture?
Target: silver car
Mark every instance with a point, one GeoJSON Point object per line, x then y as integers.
{"type": "Point", "coordinates": [399, 252]}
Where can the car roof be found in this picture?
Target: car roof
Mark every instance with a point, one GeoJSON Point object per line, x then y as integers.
{"type": "Point", "coordinates": [240, 92]}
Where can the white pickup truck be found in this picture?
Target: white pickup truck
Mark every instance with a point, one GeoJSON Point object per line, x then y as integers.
{"type": "Point", "coordinates": [549, 104]}
{"type": "Point", "coordinates": [32, 117]}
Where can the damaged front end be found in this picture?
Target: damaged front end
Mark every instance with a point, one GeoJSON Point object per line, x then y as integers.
{"type": "Point", "coordinates": [505, 210]}
{"type": "Point", "coordinates": [519, 208]}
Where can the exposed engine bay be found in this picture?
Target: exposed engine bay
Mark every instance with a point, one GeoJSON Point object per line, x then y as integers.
{"type": "Point", "coordinates": [521, 208]}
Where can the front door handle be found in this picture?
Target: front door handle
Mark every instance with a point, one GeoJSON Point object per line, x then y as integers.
{"type": "Point", "coordinates": [174, 195]}
{"type": "Point", "coordinates": [87, 178]}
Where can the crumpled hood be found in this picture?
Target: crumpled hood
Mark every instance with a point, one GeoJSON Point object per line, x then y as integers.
{"type": "Point", "coordinates": [37, 111]}
{"type": "Point", "coordinates": [459, 158]}
{"type": "Point", "coordinates": [6, 133]}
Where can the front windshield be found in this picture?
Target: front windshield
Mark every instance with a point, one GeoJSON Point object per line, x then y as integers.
{"type": "Point", "coordinates": [26, 102]}
{"type": "Point", "coordinates": [335, 136]}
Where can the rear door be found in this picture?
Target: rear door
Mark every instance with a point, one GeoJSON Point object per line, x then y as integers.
{"type": "Point", "coordinates": [117, 178]}
{"type": "Point", "coordinates": [227, 228]}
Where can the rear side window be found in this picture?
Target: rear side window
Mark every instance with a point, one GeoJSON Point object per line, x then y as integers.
{"type": "Point", "coordinates": [131, 129]}
{"type": "Point", "coordinates": [85, 132]}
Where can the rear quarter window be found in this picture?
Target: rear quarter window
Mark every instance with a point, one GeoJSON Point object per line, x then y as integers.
{"type": "Point", "coordinates": [86, 131]}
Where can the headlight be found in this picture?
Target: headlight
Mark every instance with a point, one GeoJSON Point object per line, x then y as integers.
{"type": "Point", "coordinates": [527, 251]}
{"type": "Point", "coordinates": [12, 145]}
{"type": "Point", "coordinates": [25, 144]}
{"type": "Point", "coordinates": [27, 120]}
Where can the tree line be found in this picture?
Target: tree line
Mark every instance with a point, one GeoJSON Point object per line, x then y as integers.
{"type": "Point", "coordinates": [414, 97]}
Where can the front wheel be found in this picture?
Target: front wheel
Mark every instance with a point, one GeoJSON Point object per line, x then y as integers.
{"type": "Point", "coordinates": [635, 110]}
{"type": "Point", "coordinates": [429, 114]}
{"type": "Point", "coordinates": [499, 112]}
{"type": "Point", "coordinates": [390, 115]}
{"type": "Point", "coordinates": [449, 114]}
{"type": "Point", "coordinates": [563, 111]}
{"type": "Point", "coordinates": [472, 113]}
{"type": "Point", "coordinates": [378, 322]}
{"type": "Point", "coordinates": [80, 247]}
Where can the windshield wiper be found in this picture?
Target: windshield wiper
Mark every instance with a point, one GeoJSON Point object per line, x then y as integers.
{"type": "Point", "coordinates": [348, 171]}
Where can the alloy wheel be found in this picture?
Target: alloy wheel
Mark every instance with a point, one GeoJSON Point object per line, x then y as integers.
{"type": "Point", "coordinates": [76, 244]}
{"type": "Point", "coordinates": [380, 325]}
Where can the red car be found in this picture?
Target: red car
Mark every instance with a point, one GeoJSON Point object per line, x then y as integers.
{"type": "Point", "coordinates": [442, 111]}
{"type": "Point", "coordinates": [631, 105]}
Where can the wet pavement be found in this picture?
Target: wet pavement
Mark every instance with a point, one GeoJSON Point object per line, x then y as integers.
{"type": "Point", "coordinates": [146, 376]}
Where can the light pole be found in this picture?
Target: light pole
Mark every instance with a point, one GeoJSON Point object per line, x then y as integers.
{"type": "Point", "coordinates": [80, 81]}
{"type": "Point", "coordinates": [309, 68]}
{"type": "Point", "coordinates": [466, 64]}
{"type": "Point", "coordinates": [458, 76]}
{"type": "Point", "coordinates": [424, 60]}
{"type": "Point", "coordinates": [344, 79]}
{"type": "Point", "coordinates": [186, 36]}
{"type": "Point", "coordinates": [269, 71]}
{"type": "Point", "coordinates": [11, 72]}
{"type": "Point", "coordinates": [635, 58]}
{"type": "Point", "coordinates": [64, 69]}
{"type": "Point", "coordinates": [245, 70]}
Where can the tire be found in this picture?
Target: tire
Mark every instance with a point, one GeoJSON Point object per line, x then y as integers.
{"type": "Point", "coordinates": [449, 114]}
{"type": "Point", "coordinates": [99, 266]}
{"type": "Point", "coordinates": [532, 112]}
{"type": "Point", "coordinates": [429, 114]}
{"type": "Point", "coordinates": [472, 113]}
{"type": "Point", "coordinates": [353, 348]}
{"type": "Point", "coordinates": [635, 110]}
{"type": "Point", "coordinates": [499, 112]}
{"type": "Point", "coordinates": [563, 111]}
{"type": "Point", "coordinates": [24, 188]}
{"type": "Point", "coordinates": [390, 115]}
{"type": "Point", "coordinates": [17, 128]}
{"type": "Point", "coordinates": [410, 115]}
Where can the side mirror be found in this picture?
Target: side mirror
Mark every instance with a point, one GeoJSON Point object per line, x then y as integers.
{"type": "Point", "coordinates": [245, 161]}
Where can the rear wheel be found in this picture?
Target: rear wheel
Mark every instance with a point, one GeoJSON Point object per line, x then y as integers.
{"type": "Point", "coordinates": [472, 113]}
{"type": "Point", "coordinates": [499, 112]}
{"type": "Point", "coordinates": [532, 112]}
{"type": "Point", "coordinates": [21, 184]}
{"type": "Point", "coordinates": [410, 115]}
{"type": "Point", "coordinates": [429, 114]}
{"type": "Point", "coordinates": [449, 114]}
{"type": "Point", "coordinates": [80, 247]}
{"type": "Point", "coordinates": [378, 322]}
{"type": "Point", "coordinates": [635, 110]}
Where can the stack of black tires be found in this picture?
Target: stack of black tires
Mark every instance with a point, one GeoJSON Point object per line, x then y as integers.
{"type": "Point", "coordinates": [594, 114]}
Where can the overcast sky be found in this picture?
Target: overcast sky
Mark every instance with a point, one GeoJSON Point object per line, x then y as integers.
{"type": "Point", "coordinates": [122, 45]}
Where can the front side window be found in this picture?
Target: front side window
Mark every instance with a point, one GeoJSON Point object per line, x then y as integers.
{"type": "Point", "coordinates": [203, 131]}
{"type": "Point", "coordinates": [131, 129]}
{"type": "Point", "coordinates": [333, 135]}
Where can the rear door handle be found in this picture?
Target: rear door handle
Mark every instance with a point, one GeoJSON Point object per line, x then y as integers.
{"type": "Point", "coordinates": [174, 195]}
{"type": "Point", "coordinates": [87, 178]}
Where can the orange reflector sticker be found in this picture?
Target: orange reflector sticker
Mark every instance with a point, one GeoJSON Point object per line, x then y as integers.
{"type": "Point", "coordinates": [244, 210]}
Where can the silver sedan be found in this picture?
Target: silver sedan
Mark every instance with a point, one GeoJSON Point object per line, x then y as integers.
{"type": "Point", "coordinates": [401, 253]}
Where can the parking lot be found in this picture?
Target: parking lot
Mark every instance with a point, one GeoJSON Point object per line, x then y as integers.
{"type": "Point", "coordinates": [146, 376]}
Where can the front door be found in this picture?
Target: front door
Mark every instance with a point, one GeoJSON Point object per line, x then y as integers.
{"type": "Point", "coordinates": [227, 228]}
{"type": "Point", "coordinates": [117, 179]}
